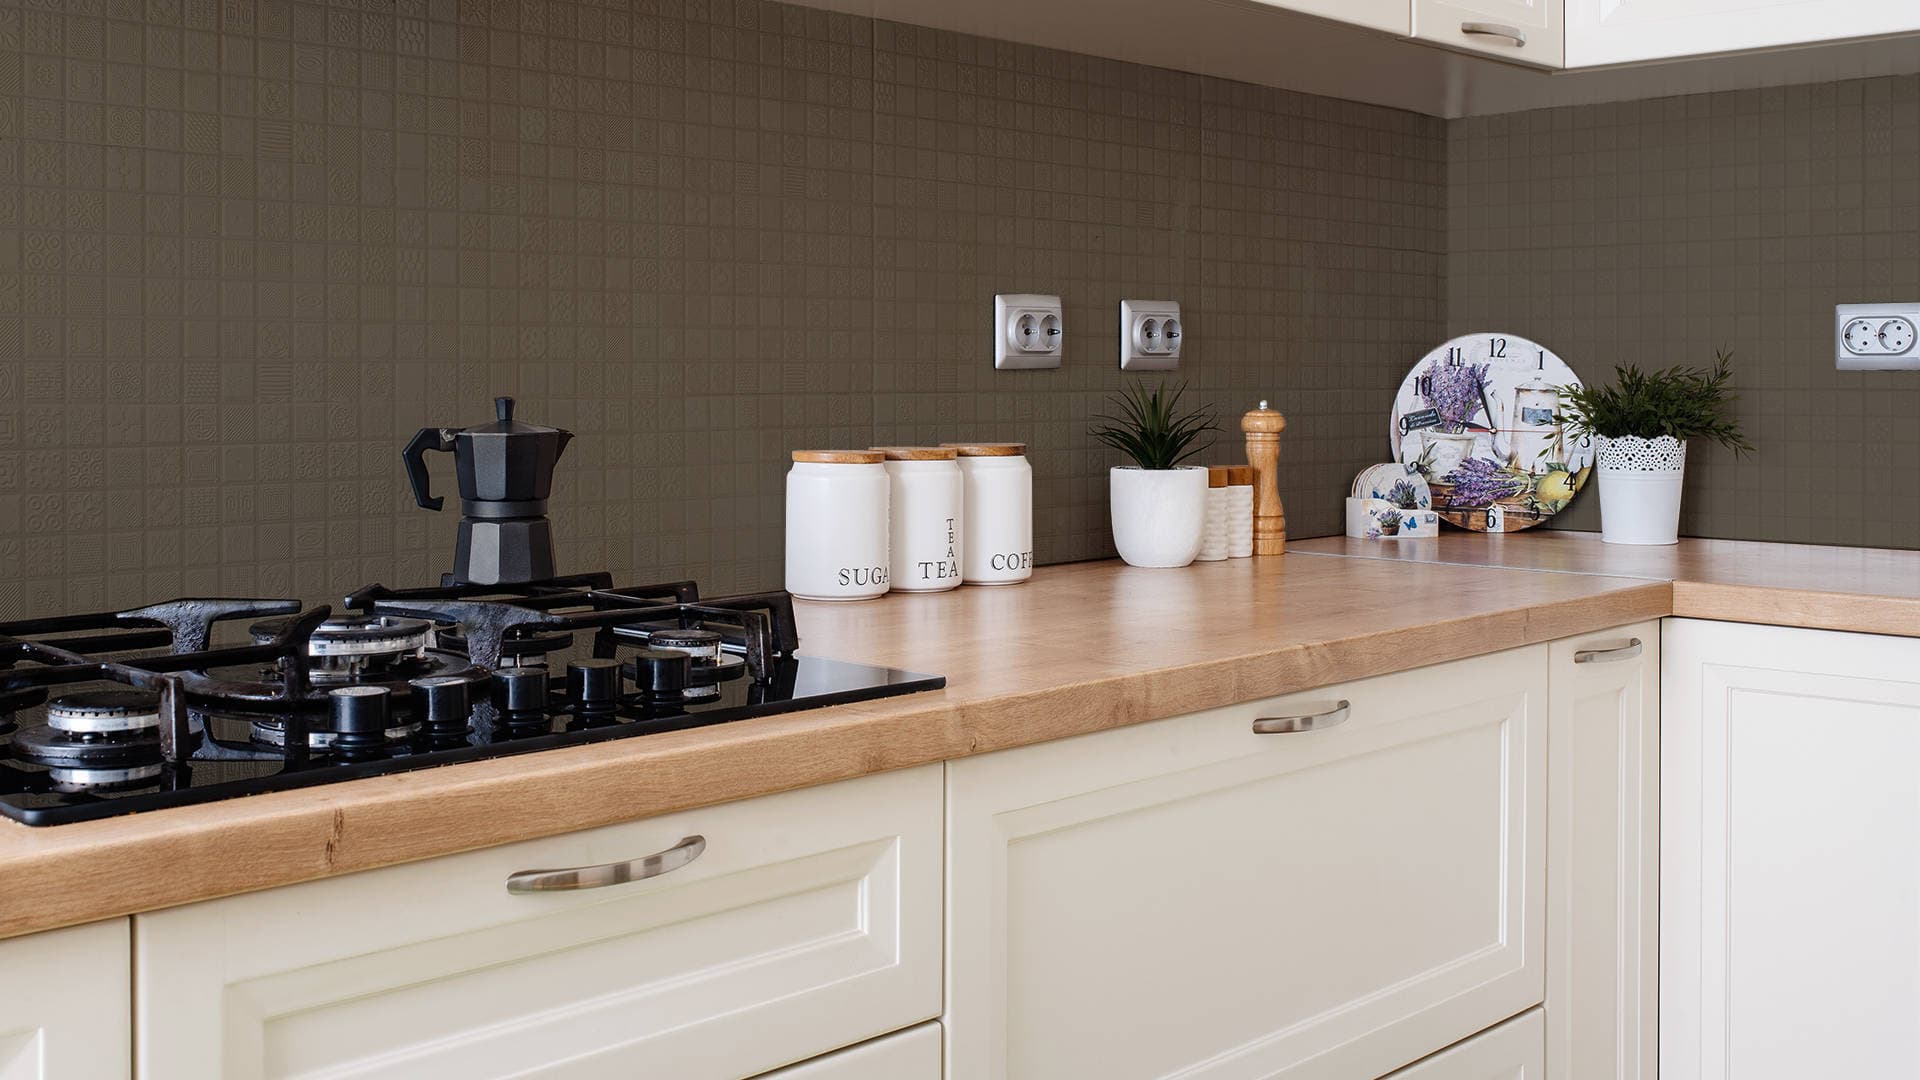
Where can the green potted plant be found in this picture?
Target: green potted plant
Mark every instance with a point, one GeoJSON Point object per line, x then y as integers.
{"type": "Point", "coordinates": [1159, 504]}
{"type": "Point", "coordinates": [1640, 426]}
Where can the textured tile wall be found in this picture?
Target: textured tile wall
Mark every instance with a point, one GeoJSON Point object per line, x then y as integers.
{"type": "Point", "coordinates": [1653, 232]}
{"type": "Point", "coordinates": [248, 246]}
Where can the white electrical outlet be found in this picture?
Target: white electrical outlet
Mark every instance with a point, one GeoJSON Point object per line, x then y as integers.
{"type": "Point", "coordinates": [1150, 335]}
{"type": "Point", "coordinates": [1876, 337]}
{"type": "Point", "coordinates": [1027, 331]}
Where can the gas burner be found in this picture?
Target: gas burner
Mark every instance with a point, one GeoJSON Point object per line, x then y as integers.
{"type": "Point", "coordinates": [708, 661]}
{"type": "Point", "coordinates": [91, 758]}
{"type": "Point", "coordinates": [105, 712]}
{"type": "Point", "coordinates": [272, 731]}
{"type": "Point", "coordinates": [526, 650]}
{"type": "Point", "coordinates": [345, 649]}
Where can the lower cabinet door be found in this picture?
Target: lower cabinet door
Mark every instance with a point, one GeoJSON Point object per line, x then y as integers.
{"type": "Point", "coordinates": [69, 1011]}
{"type": "Point", "coordinates": [803, 922]}
{"type": "Point", "coordinates": [1513, 1051]}
{"type": "Point", "coordinates": [1335, 898]}
{"type": "Point", "coordinates": [908, 1055]}
{"type": "Point", "coordinates": [1603, 867]}
{"type": "Point", "coordinates": [1790, 854]}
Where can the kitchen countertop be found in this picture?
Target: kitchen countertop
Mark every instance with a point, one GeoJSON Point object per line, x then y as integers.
{"type": "Point", "coordinates": [1078, 649]}
{"type": "Point", "coordinates": [1871, 590]}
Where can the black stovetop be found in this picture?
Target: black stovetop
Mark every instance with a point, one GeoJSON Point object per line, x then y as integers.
{"type": "Point", "coordinates": [198, 700]}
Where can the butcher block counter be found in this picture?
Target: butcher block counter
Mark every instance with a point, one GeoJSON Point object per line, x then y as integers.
{"type": "Point", "coordinates": [1869, 590]}
{"type": "Point", "coordinates": [1078, 649]}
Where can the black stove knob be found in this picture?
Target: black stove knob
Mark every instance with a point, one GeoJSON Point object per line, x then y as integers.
{"type": "Point", "coordinates": [593, 685]}
{"type": "Point", "coordinates": [360, 717]}
{"type": "Point", "coordinates": [659, 673]}
{"type": "Point", "coordinates": [445, 702]}
{"type": "Point", "coordinates": [521, 690]}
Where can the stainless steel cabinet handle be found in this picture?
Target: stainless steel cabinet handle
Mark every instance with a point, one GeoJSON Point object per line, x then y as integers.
{"type": "Point", "coordinates": [1496, 30]}
{"type": "Point", "coordinates": [1610, 655]}
{"type": "Point", "coordinates": [613, 873]}
{"type": "Point", "coordinates": [1329, 715]}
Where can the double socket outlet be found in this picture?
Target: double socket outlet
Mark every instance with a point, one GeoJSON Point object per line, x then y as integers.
{"type": "Point", "coordinates": [1028, 332]}
{"type": "Point", "coordinates": [1876, 337]}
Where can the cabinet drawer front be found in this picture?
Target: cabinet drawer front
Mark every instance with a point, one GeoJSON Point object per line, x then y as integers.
{"type": "Point", "coordinates": [1523, 31]}
{"type": "Point", "coordinates": [907, 1055]}
{"type": "Point", "coordinates": [811, 920]}
{"type": "Point", "coordinates": [1512, 1051]}
{"type": "Point", "coordinates": [1326, 902]}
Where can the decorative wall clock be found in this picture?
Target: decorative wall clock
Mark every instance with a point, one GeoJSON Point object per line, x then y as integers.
{"type": "Point", "coordinates": [1479, 418]}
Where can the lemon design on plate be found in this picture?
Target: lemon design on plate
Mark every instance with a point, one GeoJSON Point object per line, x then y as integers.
{"type": "Point", "coordinates": [1559, 486]}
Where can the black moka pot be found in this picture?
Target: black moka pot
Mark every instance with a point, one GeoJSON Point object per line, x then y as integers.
{"type": "Point", "coordinates": [506, 474]}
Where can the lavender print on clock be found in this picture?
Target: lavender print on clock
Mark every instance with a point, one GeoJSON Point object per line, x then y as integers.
{"type": "Point", "coordinates": [1479, 417]}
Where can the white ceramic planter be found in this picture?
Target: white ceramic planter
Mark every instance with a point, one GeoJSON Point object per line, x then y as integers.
{"type": "Point", "coordinates": [1640, 488]}
{"type": "Point", "coordinates": [1159, 515]}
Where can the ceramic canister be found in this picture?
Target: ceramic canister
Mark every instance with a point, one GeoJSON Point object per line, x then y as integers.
{"type": "Point", "coordinates": [1239, 511]}
{"type": "Point", "coordinates": [926, 513]}
{"type": "Point", "coordinates": [837, 525]}
{"type": "Point", "coordinates": [996, 542]}
{"type": "Point", "coordinates": [1213, 540]}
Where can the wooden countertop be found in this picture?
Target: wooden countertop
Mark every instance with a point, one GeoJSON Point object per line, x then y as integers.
{"type": "Point", "coordinates": [1871, 590]}
{"type": "Point", "coordinates": [1078, 649]}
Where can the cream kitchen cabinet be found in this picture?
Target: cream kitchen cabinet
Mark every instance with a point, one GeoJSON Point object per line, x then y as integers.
{"type": "Point", "coordinates": [1523, 31]}
{"type": "Point", "coordinates": [1624, 31]}
{"type": "Point", "coordinates": [1389, 15]}
{"type": "Point", "coordinates": [905, 1055]}
{"type": "Point", "coordinates": [69, 1011]}
{"type": "Point", "coordinates": [1790, 853]}
{"type": "Point", "coordinates": [1603, 862]}
{"type": "Point", "coordinates": [1337, 897]}
{"type": "Point", "coordinates": [763, 932]}
{"type": "Point", "coordinates": [1512, 1051]}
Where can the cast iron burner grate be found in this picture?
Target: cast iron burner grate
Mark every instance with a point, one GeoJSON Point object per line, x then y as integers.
{"type": "Point", "coordinates": [120, 712]}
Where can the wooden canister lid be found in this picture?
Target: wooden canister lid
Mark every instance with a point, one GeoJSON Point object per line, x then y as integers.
{"type": "Point", "coordinates": [918, 453]}
{"type": "Point", "coordinates": [840, 457]}
{"type": "Point", "coordinates": [988, 449]}
{"type": "Point", "coordinates": [1217, 475]}
{"type": "Point", "coordinates": [1240, 476]}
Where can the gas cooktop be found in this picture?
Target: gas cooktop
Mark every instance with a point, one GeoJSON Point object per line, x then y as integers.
{"type": "Point", "coordinates": [202, 699]}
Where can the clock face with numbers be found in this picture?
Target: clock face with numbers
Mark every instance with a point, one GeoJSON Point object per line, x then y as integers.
{"type": "Point", "coordinates": [1482, 418]}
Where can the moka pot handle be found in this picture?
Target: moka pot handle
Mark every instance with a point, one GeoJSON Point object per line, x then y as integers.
{"type": "Point", "coordinates": [415, 455]}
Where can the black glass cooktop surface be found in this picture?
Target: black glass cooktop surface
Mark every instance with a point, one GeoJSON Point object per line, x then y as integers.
{"type": "Point", "coordinates": [238, 752]}
{"type": "Point", "coordinates": [199, 699]}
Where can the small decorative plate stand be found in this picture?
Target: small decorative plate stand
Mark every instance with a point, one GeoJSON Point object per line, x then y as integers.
{"type": "Point", "coordinates": [1478, 417]}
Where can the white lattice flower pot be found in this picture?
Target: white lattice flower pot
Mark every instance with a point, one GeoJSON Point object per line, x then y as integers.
{"type": "Point", "coordinates": [1640, 489]}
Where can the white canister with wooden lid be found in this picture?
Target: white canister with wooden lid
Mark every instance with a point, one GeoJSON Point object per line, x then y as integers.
{"type": "Point", "coordinates": [837, 505]}
{"type": "Point", "coordinates": [996, 544]}
{"type": "Point", "coordinates": [925, 512]}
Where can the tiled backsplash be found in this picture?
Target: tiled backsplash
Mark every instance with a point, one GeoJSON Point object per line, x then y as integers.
{"type": "Point", "coordinates": [248, 246]}
{"type": "Point", "coordinates": [1654, 232]}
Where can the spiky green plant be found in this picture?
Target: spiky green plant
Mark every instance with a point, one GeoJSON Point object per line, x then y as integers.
{"type": "Point", "coordinates": [1152, 429]}
{"type": "Point", "coordinates": [1684, 402]}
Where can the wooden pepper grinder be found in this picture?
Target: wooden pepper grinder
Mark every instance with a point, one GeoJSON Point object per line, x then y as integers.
{"type": "Point", "coordinates": [1263, 427]}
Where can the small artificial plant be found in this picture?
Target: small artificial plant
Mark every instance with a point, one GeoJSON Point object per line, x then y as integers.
{"type": "Point", "coordinates": [1152, 429]}
{"type": "Point", "coordinates": [1684, 402]}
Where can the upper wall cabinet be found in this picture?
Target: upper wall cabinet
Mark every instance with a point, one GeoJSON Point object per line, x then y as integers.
{"type": "Point", "coordinates": [1623, 31]}
{"type": "Point", "coordinates": [1392, 16]}
{"type": "Point", "coordinates": [1524, 31]}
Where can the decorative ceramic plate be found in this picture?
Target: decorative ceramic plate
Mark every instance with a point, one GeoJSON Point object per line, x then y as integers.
{"type": "Point", "coordinates": [1479, 418]}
